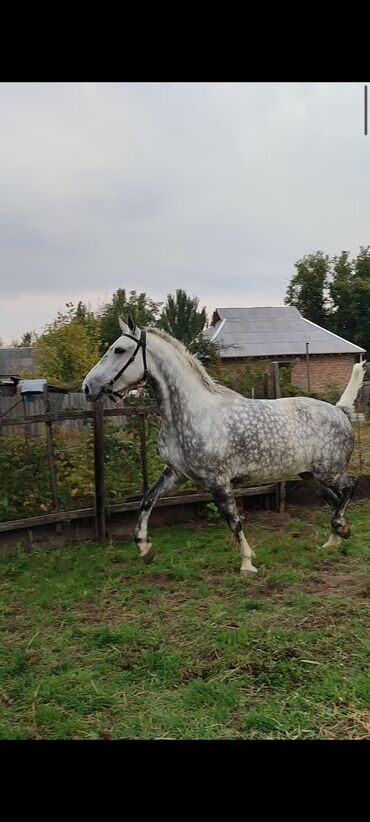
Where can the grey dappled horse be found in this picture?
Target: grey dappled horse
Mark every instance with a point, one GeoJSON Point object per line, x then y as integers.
{"type": "Point", "coordinates": [213, 435]}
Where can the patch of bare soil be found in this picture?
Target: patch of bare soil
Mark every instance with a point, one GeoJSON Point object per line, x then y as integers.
{"type": "Point", "coordinates": [93, 613]}
{"type": "Point", "coordinates": [11, 625]}
{"type": "Point", "coordinates": [216, 579]}
{"type": "Point", "coordinates": [332, 575]}
{"type": "Point", "coordinates": [322, 583]}
{"type": "Point", "coordinates": [270, 590]}
{"type": "Point", "coordinates": [270, 520]}
{"type": "Point", "coordinates": [160, 580]}
{"type": "Point", "coordinates": [90, 612]}
{"type": "Point", "coordinates": [207, 667]}
{"type": "Point", "coordinates": [17, 618]}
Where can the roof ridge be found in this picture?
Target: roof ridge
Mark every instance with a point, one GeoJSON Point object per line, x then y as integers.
{"type": "Point", "coordinates": [249, 307]}
{"type": "Point", "coordinates": [332, 333]}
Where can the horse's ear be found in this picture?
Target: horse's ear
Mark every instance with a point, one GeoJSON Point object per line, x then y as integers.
{"type": "Point", "coordinates": [124, 328]}
{"type": "Point", "coordinates": [131, 323]}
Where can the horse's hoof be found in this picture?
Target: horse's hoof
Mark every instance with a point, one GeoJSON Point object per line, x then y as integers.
{"type": "Point", "coordinates": [334, 541]}
{"type": "Point", "coordinates": [244, 572]}
{"type": "Point", "coordinates": [146, 552]}
{"type": "Point", "coordinates": [342, 528]}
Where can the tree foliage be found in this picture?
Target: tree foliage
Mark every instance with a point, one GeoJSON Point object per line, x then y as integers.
{"type": "Point", "coordinates": [350, 294]}
{"type": "Point", "coordinates": [307, 289]}
{"type": "Point", "coordinates": [143, 309]}
{"type": "Point", "coordinates": [181, 317]}
{"type": "Point", "coordinates": [27, 339]}
{"type": "Point", "coordinates": [205, 350]}
{"type": "Point", "coordinates": [335, 293]}
{"type": "Point", "coordinates": [69, 347]}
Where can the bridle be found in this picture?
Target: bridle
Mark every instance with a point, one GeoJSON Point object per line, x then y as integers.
{"type": "Point", "coordinates": [141, 343]}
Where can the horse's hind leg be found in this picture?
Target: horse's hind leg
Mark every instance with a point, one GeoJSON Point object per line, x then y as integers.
{"type": "Point", "coordinates": [339, 527]}
{"type": "Point", "coordinates": [338, 497]}
{"type": "Point", "coordinates": [226, 503]}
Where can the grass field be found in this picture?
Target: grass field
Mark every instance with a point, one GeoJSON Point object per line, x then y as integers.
{"type": "Point", "coordinates": [96, 645]}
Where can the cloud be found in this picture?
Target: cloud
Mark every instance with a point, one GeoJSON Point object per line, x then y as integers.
{"type": "Point", "coordinates": [217, 188]}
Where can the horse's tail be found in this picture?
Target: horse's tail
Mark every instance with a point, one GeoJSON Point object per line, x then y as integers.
{"type": "Point", "coordinates": [350, 393]}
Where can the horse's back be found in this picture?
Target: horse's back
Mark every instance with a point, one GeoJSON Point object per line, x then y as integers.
{"type": "Point", "coordinates": [286, 436]}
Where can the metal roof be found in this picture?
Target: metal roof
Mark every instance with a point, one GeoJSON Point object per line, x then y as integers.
{"type": "Point", "coordinates": [273, 331]}
{"type": "Point", "coordinates": [34, 386]}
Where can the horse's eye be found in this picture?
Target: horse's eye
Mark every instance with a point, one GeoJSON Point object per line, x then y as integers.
{"type": "Point", "coordinates": [119, 350]}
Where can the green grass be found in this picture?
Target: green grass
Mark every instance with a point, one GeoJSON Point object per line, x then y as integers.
{"type": "Point", "coordinates": [96, 645]}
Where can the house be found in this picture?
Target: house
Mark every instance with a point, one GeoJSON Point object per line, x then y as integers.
{"type": "Point", "coordinates": [280, 334]}
{"type": "Point", "coordinates": [16, 359]}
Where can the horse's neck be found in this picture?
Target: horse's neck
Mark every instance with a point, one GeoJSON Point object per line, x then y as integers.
{"type": "Point", "coordinates": [172, 378]}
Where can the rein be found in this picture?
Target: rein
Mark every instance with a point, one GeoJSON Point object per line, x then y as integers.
{"type": "Point", "coordinates": [141, 343]}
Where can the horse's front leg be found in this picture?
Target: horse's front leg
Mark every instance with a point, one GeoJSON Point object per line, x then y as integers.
{"type": "Point", "coordinates": [166, 482]}
{"type": "Point", "coordinates": [225, 501]}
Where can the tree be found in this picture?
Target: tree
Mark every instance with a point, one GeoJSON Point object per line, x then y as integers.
{"type": "Point", "coordinates": [307, 289]}
{"type": "Point", "coordinates": [68, 348]}
{"type": "Point", "coordinates": [88, 319]}
{"type": "Point", "coordinates": [340, 290]}
{"type": "Point", "coordinates": [350, 294]}
{"type": "Point", "coordinates": [143, 309]}
{"type": "Point", "coordinates": [335, 293]}
{"type": "Point", "coordinates": [180, 317]}
{"type": "Point", "coordinates": [27, 339]}
{"type": "Point", "coordinates": [205, 350]}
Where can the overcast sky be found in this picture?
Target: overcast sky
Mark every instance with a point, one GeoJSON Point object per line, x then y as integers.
{"type": "Point", "coordinates": [217, 188]}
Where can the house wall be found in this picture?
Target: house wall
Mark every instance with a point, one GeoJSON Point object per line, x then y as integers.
{"type": "Point", "coordinates": [17, 359]}
{"type": "Point", "coordinates": [325, 370]}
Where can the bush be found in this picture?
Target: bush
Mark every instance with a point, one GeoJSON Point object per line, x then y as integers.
{"type": "Point", "coordinates": [248, 380]}
{"type": "Point", "coordinates": [24, 470]}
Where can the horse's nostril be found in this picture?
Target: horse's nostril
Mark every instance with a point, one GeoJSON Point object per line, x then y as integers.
{"type": "Point", "coordinates": [86, 389]}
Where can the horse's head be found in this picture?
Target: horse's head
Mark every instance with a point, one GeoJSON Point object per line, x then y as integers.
{"type": "Point", "coordinates": [122, 367]}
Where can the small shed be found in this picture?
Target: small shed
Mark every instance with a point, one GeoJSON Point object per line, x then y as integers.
{"type": "Point", "coordinates": [33, 388]}
{"type": "Point", "coordinates": [8, 385]}
{"type": "Point", "coordinates": [23, 397]}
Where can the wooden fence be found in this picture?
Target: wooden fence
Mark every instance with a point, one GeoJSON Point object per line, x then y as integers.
{"type": "Point", "coordinates": [101, 511]}
{"type": "Point", "coordinates": [17, 407]}
{"type": "Point", "coordinates": [72, 410]}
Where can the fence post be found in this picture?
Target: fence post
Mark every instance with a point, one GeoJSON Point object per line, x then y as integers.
{"type": "Point", "coordinates": [276, 392]}
{"type": "Point", "coordinates": [100, 532]}
{"type": "Point", "coordinates": [308, 368]}
{"type": "Point", "coordinates": [144, 461]}
{"type": "Point", "coordinates": [50, 453]}
{"type": "Point", "coordinates": [359, 437]}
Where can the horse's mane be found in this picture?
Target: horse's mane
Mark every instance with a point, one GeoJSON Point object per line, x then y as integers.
{"type": "Point", "coordinates": [207, 382]}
